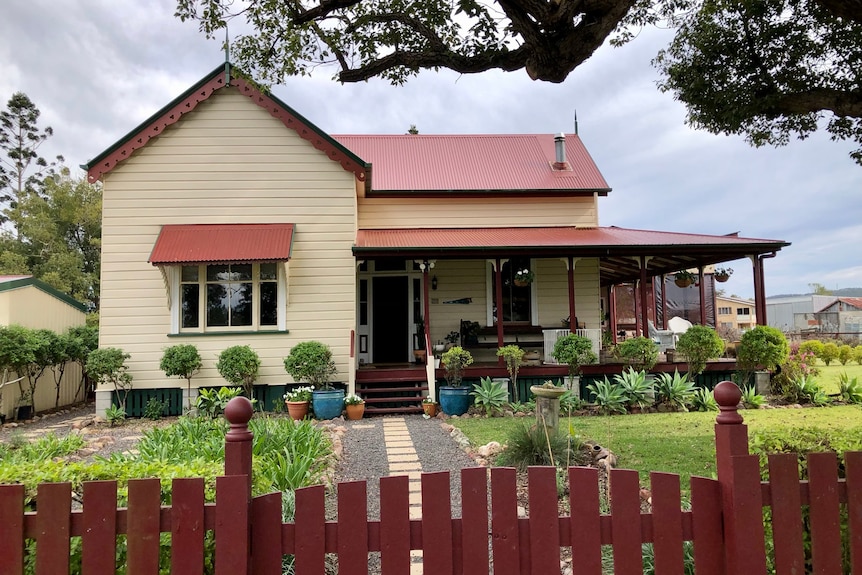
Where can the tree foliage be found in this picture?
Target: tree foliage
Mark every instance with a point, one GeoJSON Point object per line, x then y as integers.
{"type": "Point", "coordinates": [699, 344]}
{"type": "Point", "coordinates": [768, 69]}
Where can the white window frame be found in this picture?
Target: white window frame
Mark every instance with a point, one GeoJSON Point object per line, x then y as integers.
{"type": "Point", "coordinates": [489, 293]}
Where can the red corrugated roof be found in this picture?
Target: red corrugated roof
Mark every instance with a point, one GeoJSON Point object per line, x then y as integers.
{"type": "Point", "coordinates": [222, 243]}
{"type": "Point", "coordinates": [540, 237]}
{"type": "Point", "coordinates": [403, 163]}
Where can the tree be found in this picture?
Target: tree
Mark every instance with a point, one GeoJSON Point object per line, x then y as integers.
{"type": "Point", "coordinates": [20, 139]}
{"type": "Point", "coordinates": [769, 69]}
{"type": "Point", "coordinates": [182, 360]}
{"type": "Point", "coordinates": [81, 340]}
{"type": "Point", "coordinates": [108, 366]}
{"type": "Point", "coordinates": [699, 344]}
{"type": "Point", "coordinates": [819, 289]}
{"type": "Point", "coordinates": [764, 68]}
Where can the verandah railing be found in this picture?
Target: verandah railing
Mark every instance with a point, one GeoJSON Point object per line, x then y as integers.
{"type": "Point", "coordinates": [725, 520]}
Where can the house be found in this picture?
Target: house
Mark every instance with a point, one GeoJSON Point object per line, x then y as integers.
{"type": "Point", "coordinates": [842, 318]}
{"type": "Point", "coordinates": [228, 219]}
{"type": "Point", "coordinates": [735, 314]}
{"type": "Point", "coordinates": [33, 304]}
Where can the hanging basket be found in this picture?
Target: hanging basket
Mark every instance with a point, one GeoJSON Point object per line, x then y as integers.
{"type": "Point", "coordinates": [521, 283]}
{"type": "Point", "coordinates": [721, 277]}
{"type": "Point", "coordinates": [683, 282]}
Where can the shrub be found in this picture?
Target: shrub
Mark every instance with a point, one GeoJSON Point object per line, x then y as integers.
{"type": "Point", "coordinates": [849, 389]}
{"type": "Point", "coordinates": [829, 353]}
{"type": "Point", "coordinates": [311, 361]}
{"type": "Point", "coordinates": [115, 415]}
{"type": "Point", "coordinates": [513, 356]}
{"type": "Point", "coordinates": [703, 400]}
{"type": "Point", "coordinates": [798, 364]}
{"type": "Point", "coordinates": [751, 399]}
{"type": "Point", "coordinates": [762, 346]}
{"type": "Point", "coordinates": [239, 366]}
{"type": "Point", "coordinates": [814, 346]}
{"type": "Point", "coordinates": [183, 361]}
{"type": "Point", "coordinates": [805, 389]}
{"type": "Point", "coordinates": [489, 395]}
{"type": "Point", "coordinates": [211, 402]}
{"type": "Point", "coordinates": [845, 354]}
{"type": "Point", "coordinates": [454, 360]}
{"type": "Point", "coordinates": [108, 366]}
{"type": "Point", "coordinates": [155, 408]}
{"type": "Point", "coordinates": [574, 351]}
{"type": "Point", "coordinates": [699, 344]}
{"type": "Point", "coordinates": [857, 354]}
{"type": "Point", "coordinates": [675, 391]}
{"type": "Point", "coordinates": [640, 352]}
{"type": "Point", "coordinates": [607, 397]}
{"type": "Point", "coordinates": [533, 445]}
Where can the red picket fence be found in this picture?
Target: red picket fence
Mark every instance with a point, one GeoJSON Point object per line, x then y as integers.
{"type": "Point", "coordinates": [725, 522]}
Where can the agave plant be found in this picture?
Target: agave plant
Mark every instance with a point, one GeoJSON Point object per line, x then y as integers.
{"type": "Point", "coordinates": [751, 399]}
{"type": "Point", "coordinates": [489, 395]}
{"type": "Point", "coordinates": [703, 400]}
{"type": "Point", "coordinates": [636, 389]}
{"type": "Point", "coordinates": [849, 389]}
{"type": "Point", "coordinates": [608, 397]}
{"type": "Point", "coordinates": [674, 390]}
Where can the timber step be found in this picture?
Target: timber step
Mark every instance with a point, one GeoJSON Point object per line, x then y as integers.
{"type": "Point", "coordinates": [420, 387]}
{"type": "Point", "coordinates": [397, 399]}
{"type": "Point", "coordinates": [371, 410]}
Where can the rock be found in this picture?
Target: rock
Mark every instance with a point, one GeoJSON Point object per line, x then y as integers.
{"type": "Point", "coordinates": [520, 414]}
{"type": "Point", "coordinates": [447, 428]}
{"type": "Point", "coordinates": [522, 512]}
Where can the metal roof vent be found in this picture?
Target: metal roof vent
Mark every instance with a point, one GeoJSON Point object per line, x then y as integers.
{"type": "Point", "coordinates": [560, 162]}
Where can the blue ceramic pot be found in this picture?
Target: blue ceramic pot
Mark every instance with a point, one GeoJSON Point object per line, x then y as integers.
{"type": "Point", "coordinates": [454, 400]}
{"type": "Point", "coordinates": [327, 404]}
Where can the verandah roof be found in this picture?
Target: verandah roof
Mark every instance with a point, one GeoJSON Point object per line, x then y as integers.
{"type": "Point", "coordinates": [619, 249]}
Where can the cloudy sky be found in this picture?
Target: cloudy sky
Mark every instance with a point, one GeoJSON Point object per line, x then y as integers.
{"type": "Point", "coordinates": [97, 68]}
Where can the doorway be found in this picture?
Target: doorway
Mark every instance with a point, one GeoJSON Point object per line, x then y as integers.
{"type": "Point", "coordinates": [390, 341]}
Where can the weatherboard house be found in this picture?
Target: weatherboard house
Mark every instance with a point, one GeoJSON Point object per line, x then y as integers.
{"type": "Point", "coordinates": [229, 219]}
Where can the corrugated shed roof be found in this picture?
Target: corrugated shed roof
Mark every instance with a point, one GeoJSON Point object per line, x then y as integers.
{"type": "Point", "coordinates": [222, 243]}
{"type": "Point", "coordinates": [851, 301]}
{"type": "Point", "coordinates": [495, 162]}
{"type": "Point", "coordinates": [540, 237]}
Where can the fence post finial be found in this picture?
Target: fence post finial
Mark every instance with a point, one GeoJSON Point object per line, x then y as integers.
{"type": "Point", "coordinates": [727, 396]}
{"type": "Point", "coordinates": [237, 446]}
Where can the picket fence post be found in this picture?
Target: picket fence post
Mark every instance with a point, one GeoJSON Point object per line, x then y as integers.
{"type": "Point", "coordinates": [236, 523]}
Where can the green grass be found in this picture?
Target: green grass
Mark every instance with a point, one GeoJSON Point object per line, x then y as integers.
{"type": "Point", "coordinates": [681, 443]}
{"type": "Point", "coordinates": [828, 378]}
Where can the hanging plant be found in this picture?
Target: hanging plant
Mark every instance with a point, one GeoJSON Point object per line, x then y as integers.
{"type": "Point", "coordinates": [684, 278]}
{"type": "Point", "coordinates": [722, 274]}
{"type": "Point", "coordinates": [524, 277]}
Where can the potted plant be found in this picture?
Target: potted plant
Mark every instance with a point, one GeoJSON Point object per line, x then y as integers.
{"type": "Point", "coordinates": [183, 361]}
{"type": "Point", "coordinates": [684, 278]}
{"type": "Point", "coordinates": [355, 406]}
{"type": "Point", "coordinates": [574, 351]}
{"type": "Point", "coordinates": [699, 344]}
{"type": "Point", "coordinates": [513, 356]}
{"type": "Point", "coordinates": [429, 406]}
{"type": "Point", "coordinates": [311, 361]}
{"type": "Point", "coordinates": [524, 277]}
{"type": "Point", "coordinates": [297, 400]}
{"type": "Point", "coordinates": [454, 399]}
{"type": "Point", "coordinates": [239, 366]}
{"type": "Point", "coordinates": [722, 274]}
{"type": "Point", "coordinates": [419, 351]}
{"type": "Point", "coordinates": [451, 339]}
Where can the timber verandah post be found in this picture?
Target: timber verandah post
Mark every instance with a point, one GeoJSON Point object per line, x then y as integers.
{"type": "Point", "coordinates": [739, 478]}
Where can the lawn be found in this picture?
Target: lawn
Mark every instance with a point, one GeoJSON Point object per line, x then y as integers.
{"type": "Point", "coordinates": [681, 443]}
{"type": "Point", "coordinates": [828, 377]}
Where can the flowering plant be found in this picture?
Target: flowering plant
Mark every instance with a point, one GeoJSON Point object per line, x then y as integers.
{"type": "Point", "coordinates": [428, 399]}
{"type": "Point", "coordinates": [353, 399]}
{"type": "Point", "coordinates": [525, 276]}
{"type": "Point", "coordinates": [723, 272]}
{"type": "Point", "coordinates": [302, 393]}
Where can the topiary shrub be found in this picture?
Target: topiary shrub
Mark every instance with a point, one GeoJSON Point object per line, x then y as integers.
{"type": "Point", "coordinates": [699, 344]}
{"type": "Point", "coordinates": [311, 361]}
{"type": "Point", "coordinates": [829, 352]}
{"type": "Point", "coordinates": [574, 351]}
{"type": "Point", "coordinates": [183, 361]}
{"type": "Point", "coordinates": [813, 346]}
{"type": "Point", "coordinates": [845, 354]}
{"type": "Point", "coordinates": [239, 366]}
{"type": "Point", "coordinates": [638, 352]}
{"type": "Point", "coordinates": [108, 366]}
{"type": "Point", "coordinates": [454, 360]}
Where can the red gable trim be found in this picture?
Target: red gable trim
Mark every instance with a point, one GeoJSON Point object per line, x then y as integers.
{"type": "Point", "coordinates": [156, 126]}
{"type": "Point", "coordinates": [222, 243]}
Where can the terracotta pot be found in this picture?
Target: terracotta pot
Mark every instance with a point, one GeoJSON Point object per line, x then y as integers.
{"type": "Point", "coordinates": [430, 409]}
{"type": "Point", "coordinates": [297, 409]}
{"type": "Point", "coordinates": [355, 412]}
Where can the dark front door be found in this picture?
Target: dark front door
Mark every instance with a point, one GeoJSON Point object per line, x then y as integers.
{"type": "Point", "coordinates": [390, 337]}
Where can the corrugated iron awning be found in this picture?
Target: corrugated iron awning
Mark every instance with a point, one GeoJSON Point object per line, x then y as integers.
{"type": "Point", "coordinates": [222, 243]}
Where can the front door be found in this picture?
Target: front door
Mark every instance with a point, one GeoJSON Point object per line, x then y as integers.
{"type": "Point", "coordinates": [390, 341]}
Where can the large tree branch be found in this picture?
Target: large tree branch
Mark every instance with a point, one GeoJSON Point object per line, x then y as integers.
{"type": "Point", "coordinates": [838, 102]}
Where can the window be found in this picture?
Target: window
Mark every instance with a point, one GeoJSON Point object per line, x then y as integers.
{"type": "Point", "coordinates": [743, 311]}
{"type": "Point", "coordinates": [517, 299]}
{"type": "Point", "coordinates": [226, 296]}
{"type": "Point", "coordinates": [725, 311]}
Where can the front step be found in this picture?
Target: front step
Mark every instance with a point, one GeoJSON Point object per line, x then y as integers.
{"type": "Point", "coordinates": [392, 396]}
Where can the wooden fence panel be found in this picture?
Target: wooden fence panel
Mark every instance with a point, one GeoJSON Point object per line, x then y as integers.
{"type": "Point", "coordinates": [505, 543]}
{"type": "Point", "coordinates": [187, 526]}
{"type": "Point", "coordinates": [853, 479]}
{"type": "Point", "coordinates": [437, 556]}
{"type": "Point", "coordinates": [825, 513]}
{"type": "Point", "coordinates": [310, 537]}
{"type": "Point", "coordinates": [626, 518]}
{"type": "Point", "coordinates": [585, 521]}
{"type": "Point", "coordinates": [12, 529]}
{"type": "Point", "coordinates": [750, 549]}
{"type": "Point", "coordinates": [266, 529]}
{"type": "Point", "coordinates": [394, 525]}
{"type": "Point", "coordinates": [231, 525]}
{"type": "Point", "coordinates": [786, 513]}
{"type": "Point", "coordinates": [143, 523]}
{"type": "Point", "coordinates": [666, 523]}
{"type": "Point", "coordinates": [474, 521]}
{"type": "Point", "coordinates": [352, 528]}
{"type": "Point", "coordinates": [544, 520]}
{"type": "Point", "coordinates": [706, 519]}
{"type": "Point", "coordinates": [99, 540]}
{"type": "Point", "coordinates": [53, 528]}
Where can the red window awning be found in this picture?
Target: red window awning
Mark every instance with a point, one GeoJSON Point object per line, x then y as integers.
{"type": "Point", "coordinates": [222, 243]}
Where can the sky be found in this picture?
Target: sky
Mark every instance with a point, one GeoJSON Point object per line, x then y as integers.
{"type": "Point", "coordinates": [97, 68]}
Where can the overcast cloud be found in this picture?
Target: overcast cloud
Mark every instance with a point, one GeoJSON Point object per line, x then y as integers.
{"type": "Point", "coordinates": [97, 68]}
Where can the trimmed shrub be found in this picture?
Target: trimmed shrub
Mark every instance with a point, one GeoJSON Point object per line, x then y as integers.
{"type": "Point", "coordinates": [699, 344]}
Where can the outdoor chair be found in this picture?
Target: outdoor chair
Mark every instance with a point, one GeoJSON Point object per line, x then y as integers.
{"type": "Point", "coordinates": [663, 337]}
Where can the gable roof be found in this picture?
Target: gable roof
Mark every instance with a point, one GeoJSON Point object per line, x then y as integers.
{"type": "Point", "coordinates": [13, 282]}
{"type": "Point", "coordinates": [156, 124]}
{"type": "Point", "coordinates": [851, 301]}
{"type": "Point", "coordinates": [483, 163]}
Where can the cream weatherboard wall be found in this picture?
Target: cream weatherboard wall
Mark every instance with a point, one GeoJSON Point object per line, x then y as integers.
{"type": "Point", "coordinates": [477, 212]}
{"type": "Point", "coordinates": [228, 161]}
